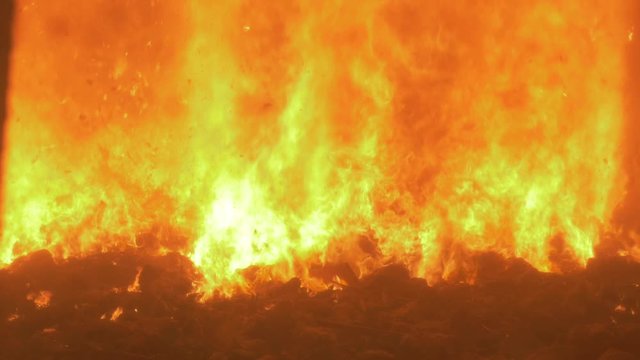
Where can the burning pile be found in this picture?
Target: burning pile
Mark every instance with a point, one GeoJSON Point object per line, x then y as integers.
{"type": "Point", "coordinates": [91, 308]}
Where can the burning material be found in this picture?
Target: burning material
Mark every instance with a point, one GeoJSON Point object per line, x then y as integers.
{"type": "Point", "coordinates": [135, 286]}
{"type": "Point", "coordinates": [328, 163]}
{"type": "Point", "coordinates": [40, 299]}
{"type": "Point", "coordinates": [281, 135]}
{"type": "Point", "coordinates": [48, 330]}
{"type": "Point", "coordinates": [512, 311]}
{"type": "Point", "coordinates": [116, 313]}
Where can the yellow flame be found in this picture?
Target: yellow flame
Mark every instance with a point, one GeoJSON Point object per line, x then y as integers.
{"type": "Point", "coordinates": [135, 285]}
{"type": "Point", "coordinates": [275, 135]}
{"type": "Point", "coordinates": [115, 315]}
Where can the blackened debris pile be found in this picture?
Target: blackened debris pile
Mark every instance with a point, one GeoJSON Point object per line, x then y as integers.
{"type": "Point", "coordinates": [85, 308]}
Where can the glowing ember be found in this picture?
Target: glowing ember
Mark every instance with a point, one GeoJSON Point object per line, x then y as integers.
{"type": "Point", "coordinates": [285, 134]}
{"type": "Point", "coordinates": [116, 314]}
{"type": "Point", "coordinates": [40, 299]}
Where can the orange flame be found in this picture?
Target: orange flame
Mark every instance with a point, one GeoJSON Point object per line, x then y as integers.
{"type": "Point", "coordinates": [135, 285]}
{"type": "Point", "coordinates": [274, 135]}
{"type": "Point", "coordinates": [116, 314]}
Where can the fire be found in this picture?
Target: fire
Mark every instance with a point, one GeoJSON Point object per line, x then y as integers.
{"type": "Point", "coordinates": [135, 285]}
{"type": "Point", "coordinates": [260, 137]}
{"type": "Point", "coordinates": [115, 315]}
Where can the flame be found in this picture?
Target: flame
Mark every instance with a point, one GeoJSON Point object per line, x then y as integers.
{"type": "Point", "coordinates": [135, 285]}
{"type": "Point", "coordinates": [116, 314]}
{"type": "Point", "coordinates": [274, 135]}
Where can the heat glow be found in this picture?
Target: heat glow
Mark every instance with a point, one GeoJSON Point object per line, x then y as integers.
{"type": "Point", "coordinates": [261, 137]}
